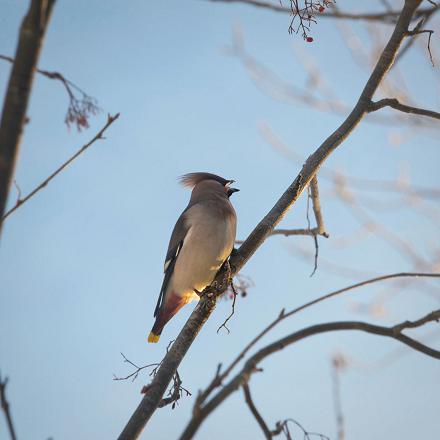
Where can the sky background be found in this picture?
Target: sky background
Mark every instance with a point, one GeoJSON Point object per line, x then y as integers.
{"type": "Point", "coordinates": [81, 263]}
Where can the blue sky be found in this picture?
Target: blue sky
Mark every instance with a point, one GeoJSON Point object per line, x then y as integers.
{"type": "Point", "coordinates": [81, 263]}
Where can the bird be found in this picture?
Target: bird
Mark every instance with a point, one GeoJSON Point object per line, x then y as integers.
{"type": "Point", "coordinates": [202, 240]}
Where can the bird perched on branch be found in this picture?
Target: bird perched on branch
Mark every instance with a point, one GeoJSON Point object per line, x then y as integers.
{"type": "Point", "coordinates": [201, 242]}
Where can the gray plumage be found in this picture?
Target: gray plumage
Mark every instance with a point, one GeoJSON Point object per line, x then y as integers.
{"type": "Point", "coordinates": [202, 240]}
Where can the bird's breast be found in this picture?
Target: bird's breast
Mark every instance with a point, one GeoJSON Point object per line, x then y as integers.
{"type": "Point", "coordinates": [207, 245]}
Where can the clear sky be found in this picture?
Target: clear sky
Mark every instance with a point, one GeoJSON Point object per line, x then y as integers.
{"type": "Point", "coordinates": [81, 263]}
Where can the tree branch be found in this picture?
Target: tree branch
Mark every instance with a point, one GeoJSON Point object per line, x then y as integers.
{"type": "Point", "coordinates": [316, 204]}
{"type": "Point", "coordinates": [394, 103]}
{"type": "Point", "coordinates": [18, 91]}
{"type": "Point", "coordinates": [386, 16]}
{"type": "Point", "coordinates": [45, 182]}
{"type": "Point", "coordinates": [254, 411]}
{"type": "Point", "coordinates": [79, 110]}
{"type": "Point", "coordinates": [219, 378]}
{"type": "Point", "coordinates": [250, 366]}
{"type": "Point", "coordinates": [207, 303]}
{"type": "Point", "coordinates": [5, 407]}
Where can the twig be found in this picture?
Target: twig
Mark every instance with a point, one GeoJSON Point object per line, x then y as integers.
{"type": "Point", "coordinates": [418, 30]}
{"type": "Point", "coordinates": [216, 381]}
{"type": "Point", "coordinates": [135, 374]}
{"type": "Point", "coordinates": [425, 17]}
{"type": "Point", "coordinates": [234, 293]}
{"type": "Point", "coordinates": [389, 16]}
{"type": "Point", "coordinates": [79, 110]}
{"type": "Point", "coordinates": [280, 427]}
{"type": "Point", "coordinates": [289, 232]}
{"type": "Point", "coordinates": [313, 194]}
{"type": "Point", "coordinates": [338, 364]}
{"type": "Point", "coordinates": [99, 135]}
{"type": "Point", "coordinates": [5, 407]}
{"type": "Point", "coordinates": [254, 411]}
{"type": "Point", "coordinates": [315, 261]}
{"type": "Point", "coordinates": [251, 364]}
{"type": "Point", "coordinates": [13, 117]}
{"type": "Point", "coordinates": [174, 394]}
{"type": "Point", "coordinates": [316, 204]}
{"type": "Point", "coordinates": [207, 302]}
{"type": "Point", "coordinates": [394, 103]}
{"type": "Point", "coordinates": [284, 428]}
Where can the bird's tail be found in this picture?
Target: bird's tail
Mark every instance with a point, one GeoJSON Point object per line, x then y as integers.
{"type": "Point", "coordinates": [168, 310]}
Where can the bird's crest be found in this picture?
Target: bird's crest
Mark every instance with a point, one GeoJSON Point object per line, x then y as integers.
{"type": "Point", "coordinates": [192, 179]}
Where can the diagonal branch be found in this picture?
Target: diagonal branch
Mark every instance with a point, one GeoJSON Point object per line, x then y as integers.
{"type": "Point", "coordinates": [393, 332]}
{"type": "Point", "coordinates": [254, 411]}
{"type": "Point", "coordinates": [219, 378]}
{"type": "Point", "coordinates": [45, 182]}
{"type": "Point", "coordinates": [206, 305]}
{"type": "Point", "coordinates": [18, 92]}
{"type": "Point", "coordinates": [5, 407]}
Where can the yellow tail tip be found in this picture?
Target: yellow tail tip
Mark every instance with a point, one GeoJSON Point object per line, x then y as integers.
{"type": "Point", "coordinates": [152, 337]}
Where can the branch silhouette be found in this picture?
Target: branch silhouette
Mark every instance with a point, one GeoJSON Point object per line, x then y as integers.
{"type": "Point", "coordinates": [251, 365]}
{"type": "Point", "coordinates": [45, 182]}
{"type": "Point", "coordinates": [18, 91]}
{"type": "Point", "coordinates": [207, 302]}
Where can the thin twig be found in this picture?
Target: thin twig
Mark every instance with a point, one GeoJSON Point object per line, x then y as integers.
{"type": "Point", "coordinates": [99, 135]}
{"type": "Point", "coordinates": [5, 407]}
{"type": "Point", "coordinates": [389, 16]}
{"type": "Point", "coordinates": [175, 392]}
{"type": "Point", "coordinates": [394, 103]}
{"type": "Point", "coordinates": [254, 411]}
{"type": "Point", "coordinates": [234, 293]}
{"type": "Point", "coordinates": [338, 364]}
{"type": "Point", "coordinates": [135, 374]}
{"type": "Point", "coordinates": [80, 109]}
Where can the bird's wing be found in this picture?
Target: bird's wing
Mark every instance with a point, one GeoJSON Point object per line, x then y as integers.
{"type": "Point", "coordinates": [176, 242]}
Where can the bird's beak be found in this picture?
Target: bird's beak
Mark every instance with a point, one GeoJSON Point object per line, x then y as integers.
{"type": "Point", "coordinates": [233, 190]}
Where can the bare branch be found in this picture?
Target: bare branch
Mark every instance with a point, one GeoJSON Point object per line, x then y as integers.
{"type": "Point", "coordinates": [388, 16]}
{"type": "Point", "coordinates": [316, 204]}
{"type": "Point", "coordinates": [207, 302]}
{"type": "Point", "coordinates": [254, 411]}
{"type": "Point", "coordinates": [18, 91]}
{"type": "Point", "coordinates": [394, 103]}
{"type": "Point", "coordinates": [5, 407]}
{"type": "Point", "coordinates": [234, 293]}
{"type": "Point", "coordinates": [174, 394]}
{"type": "Point", "coordinates": [80, 109]}
{"type": "Point", "coordinates": [216, 381]}
{"type": "Point", "coordinates": [338, 364]}
{"type": "Point", "coordinates": [98, 136]}
{"type": "Point", "coordinates": [283, 315]}
{"type": "Point", "coordinates": [250, 366]}
{"type": "Point", "coordinates": [425, 17]}
{"type": "Point", "coordinates": [135, 374]}
{"type": "Point", "coordinates": [320, 228]}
